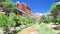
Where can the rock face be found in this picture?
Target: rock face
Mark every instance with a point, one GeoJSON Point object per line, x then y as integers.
{"type": "Point", "coordinates": [38, 16]}
{"type": "Point", "coordinates": [23, 8]}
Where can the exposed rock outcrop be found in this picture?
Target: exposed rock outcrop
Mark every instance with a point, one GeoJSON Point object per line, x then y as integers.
{"type": "Point", "coordinates": [23, 8]}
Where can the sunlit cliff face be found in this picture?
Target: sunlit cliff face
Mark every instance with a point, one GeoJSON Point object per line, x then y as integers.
{"type": "Point", "coordinates": [23, 8]}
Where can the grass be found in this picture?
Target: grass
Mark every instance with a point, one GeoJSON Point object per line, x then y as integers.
{"type": "Point", "coordinates": [1, 28]}
{"type": "Point", "coordinates": [45, 30]}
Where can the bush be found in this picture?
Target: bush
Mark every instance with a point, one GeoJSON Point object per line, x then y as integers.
{"type": "Point", "coordinates": [58, 33]}
{"type": "Point", "coordinates": [45, 30]}
{"type": "Point", "coordinates": [47, 20]}
{"type": "Point", "coordinates": [58, 19]}
{"type": "Point", "coordinates": [8, 7]}
{"type": "Point", "coordinates": [30, 20]}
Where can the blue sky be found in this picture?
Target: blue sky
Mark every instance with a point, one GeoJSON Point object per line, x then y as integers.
{"type": "Point", "coordinates": [38, 6]}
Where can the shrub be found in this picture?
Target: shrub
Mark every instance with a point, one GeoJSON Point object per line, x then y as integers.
{"type": "Point", "coordinates": [58, 19]}
{"type": "Point", "coordinates": [47, 20]}
{"type": "Point", "coordinates": [45, 30]}
{"type": "Point", "coordinates": [8, 7]}
{"type": "Point", "coordinates": [30, 20]}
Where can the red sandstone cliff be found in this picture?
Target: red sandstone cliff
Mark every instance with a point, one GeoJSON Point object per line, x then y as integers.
{"type": "Point", "coordinates": [23, 8]}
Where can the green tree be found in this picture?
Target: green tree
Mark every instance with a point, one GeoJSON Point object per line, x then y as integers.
{"type": "Point", "coordinates": [8, 6]}
{"type": "Point", "coordinates": [42, 18]}
{"type": "Point", "coordinates": [55, 10]}
{"type": "Point", "coordinates": [58, 19]}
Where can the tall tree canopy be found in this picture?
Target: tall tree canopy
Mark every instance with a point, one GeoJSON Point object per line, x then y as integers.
{"type": "Point", "coordinates": [55, 9]}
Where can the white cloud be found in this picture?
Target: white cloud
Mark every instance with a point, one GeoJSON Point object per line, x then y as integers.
{"type": "Point", "coordinates": [39, 13]}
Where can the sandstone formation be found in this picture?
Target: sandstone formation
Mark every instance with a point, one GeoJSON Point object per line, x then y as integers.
{"type": "Point", "coordinates": [23, 8]}
{"type": "Point", "coordinates": [37, 16]}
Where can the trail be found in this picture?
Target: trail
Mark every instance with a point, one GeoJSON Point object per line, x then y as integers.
{"type": "Point", "coordinates": [30, 30]}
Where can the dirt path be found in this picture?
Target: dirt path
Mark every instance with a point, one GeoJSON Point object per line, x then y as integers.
{"type": "Point", "coordinates": [30, 30]}
{"type": "Point", "coordinates": [52, 26]}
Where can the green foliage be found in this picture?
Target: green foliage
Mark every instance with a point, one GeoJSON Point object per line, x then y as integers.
{"type": "Point", "coordinates": [8, 6]}
{"type": "Point", "coordinates": [55, 11]}
{"type": "Point", "coordinates": [45, 30]}
{"type": "Point", "coordinates": [11, 19]}
{"type": "Point", "coordinates": [58, 19]}
{"type": "Point", "coordinates": [3, 20]}
{"type": "Point", "coordinates": [16, 19]}
{"type": "Point", "coordinates": [47, 20]}
{"type": "Point", "coordinates": [29, 20]}
{"type": "Point", "coordinates": [7, 0]}
{"type": "Point", "coordinates": [42, 19]}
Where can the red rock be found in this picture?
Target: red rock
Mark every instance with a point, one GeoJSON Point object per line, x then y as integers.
{"type": "Point", "coordinates": [37, 16]}
{"type": "Point", "coordinates": [23, 8]}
